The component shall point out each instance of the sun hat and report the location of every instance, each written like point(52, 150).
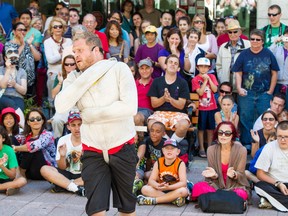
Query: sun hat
point(11, 111)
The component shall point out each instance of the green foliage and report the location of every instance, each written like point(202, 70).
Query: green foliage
point(29, 103)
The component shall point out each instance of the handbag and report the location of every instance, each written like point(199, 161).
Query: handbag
point(221, 201)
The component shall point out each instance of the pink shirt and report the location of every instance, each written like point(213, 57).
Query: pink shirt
point(143, 100)
point(224, 171)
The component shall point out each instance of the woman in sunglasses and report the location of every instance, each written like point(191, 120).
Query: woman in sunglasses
point(59, 119)
point(260, 137)
point(226, 164)
point(39, 148)
point(27, 52)
point(53, 48)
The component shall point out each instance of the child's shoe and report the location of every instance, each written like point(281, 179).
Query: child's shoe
point(142, 200)
point(137, 185)
point(180, 201)
point(12, 191)
point(81, 191)
point(264, 203)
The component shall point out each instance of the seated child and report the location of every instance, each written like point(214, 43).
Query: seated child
point(9, 171)
point(69, 150)
point(251, 173)
point(168, 179)
point(226, 114)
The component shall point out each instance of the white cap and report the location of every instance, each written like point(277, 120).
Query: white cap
point(203, 61)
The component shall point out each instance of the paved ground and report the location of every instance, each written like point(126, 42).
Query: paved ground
point(36, 199)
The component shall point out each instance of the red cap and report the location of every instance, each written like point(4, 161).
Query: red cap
point(74, 115)
point(11, 111)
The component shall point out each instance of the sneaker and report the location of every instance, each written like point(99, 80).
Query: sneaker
point(264, 203)
point(57, 189)
point(180, 201)
point(12, 191)
point(137, 185)
point(142, 200)
point(81, 191)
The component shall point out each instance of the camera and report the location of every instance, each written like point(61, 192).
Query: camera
point(285, 39)
point(14, 61)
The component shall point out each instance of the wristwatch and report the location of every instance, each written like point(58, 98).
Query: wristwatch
point(277, 183)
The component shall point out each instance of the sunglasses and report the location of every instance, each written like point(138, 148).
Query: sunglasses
point(226, 92)
point(22, 30)
point(58, 8)
point(69, 64)
point(255, 39)
point(38, 119)
point(230, 32)
point(225, 133)
point(198, 22)
point(268, 119)
point(9, 52)
point(271, 14)
point(58, 26)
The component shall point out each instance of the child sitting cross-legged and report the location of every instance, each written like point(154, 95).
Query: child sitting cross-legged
point(168, 180)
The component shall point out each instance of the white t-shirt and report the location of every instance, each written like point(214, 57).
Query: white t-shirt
point(274, 161)
point(74, 163)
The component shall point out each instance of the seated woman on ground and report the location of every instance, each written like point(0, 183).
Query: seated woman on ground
point(226, 114)
point(39, 148)
point(10, 180)
point(9, 119)
point(226, 164)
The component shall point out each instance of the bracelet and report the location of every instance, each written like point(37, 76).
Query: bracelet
point(277, 183)
point(59, 83)
point(187, 56)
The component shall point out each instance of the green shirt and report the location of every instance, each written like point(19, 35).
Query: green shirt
point(271, 33)
point(11, 162)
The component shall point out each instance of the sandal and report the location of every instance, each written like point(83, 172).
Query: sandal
point(202, 154)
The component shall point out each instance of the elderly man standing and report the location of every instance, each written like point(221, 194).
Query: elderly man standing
point(229, 52)
point(90, 22)
point(272, 170)
point(106, 95)
point(256, 76)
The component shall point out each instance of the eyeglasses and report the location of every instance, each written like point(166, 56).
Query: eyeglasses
point(282, 137)
point(33, 119)
point(230, 32)
point(268, 119)
point(198, 22)
point(22, 30)
point(89, 22)
point(9, 52)
point(226, 92)
point(225, 133)
point(255, 39)
point(57, 26)
point(274, 15)
point(64, 14)
point(69, 64)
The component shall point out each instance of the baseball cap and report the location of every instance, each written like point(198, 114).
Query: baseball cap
point(11, 111)
point(11, 52)
point(203, 61)
point(170, 142)
point(74, 115)
point(151, 29)
point(145, 62)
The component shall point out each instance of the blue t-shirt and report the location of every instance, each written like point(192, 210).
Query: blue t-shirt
point(8, 13)
point(256, 69)
point(166, 53)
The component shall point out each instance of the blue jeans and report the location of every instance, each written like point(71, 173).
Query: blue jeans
point(250, 107)
point(278, 90)
point(11, 101)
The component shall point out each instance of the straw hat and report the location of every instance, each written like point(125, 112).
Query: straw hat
point(233, 24)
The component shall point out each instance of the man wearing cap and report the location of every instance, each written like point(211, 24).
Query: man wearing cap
point(150, 50)
point(69, 151)
point(229, 52)
point(169, 94)
point(275, 29)
point(150, 13)
point(225, 37)
point(180, 12)
point(143, 85)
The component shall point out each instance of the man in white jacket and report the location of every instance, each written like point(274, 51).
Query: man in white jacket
point(106, 95)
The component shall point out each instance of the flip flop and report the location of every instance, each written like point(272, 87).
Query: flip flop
point(202, 154)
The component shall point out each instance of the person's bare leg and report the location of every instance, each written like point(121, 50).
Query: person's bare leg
point(16, 183)
point(52, 175)
point(209, 137)
point(181, 128)
point(201, 139)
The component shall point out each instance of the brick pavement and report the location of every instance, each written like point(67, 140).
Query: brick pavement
point(35, 199)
